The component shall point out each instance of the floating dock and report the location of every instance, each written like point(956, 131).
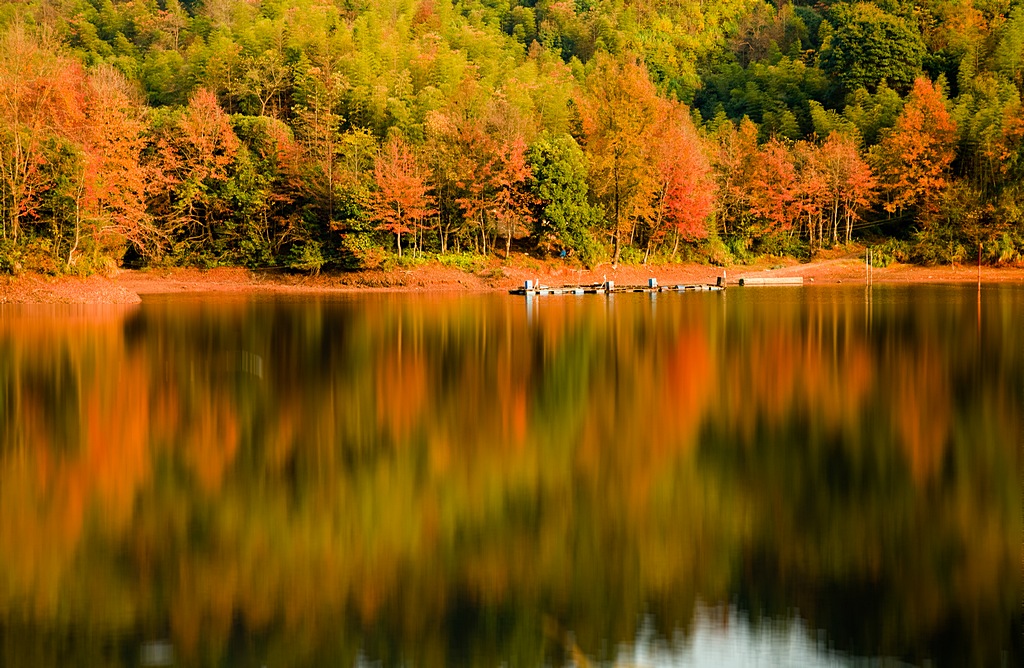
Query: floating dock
point(772, 280)
point(609, 288)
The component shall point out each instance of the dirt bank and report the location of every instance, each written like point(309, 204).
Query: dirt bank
point(32, 289)
point(125, 287)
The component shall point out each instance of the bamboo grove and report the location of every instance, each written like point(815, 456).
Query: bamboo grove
point(358, 133)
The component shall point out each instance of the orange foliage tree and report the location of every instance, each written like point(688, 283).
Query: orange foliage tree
point(849, 182)
point(774, 195)
point(463, 162)
point(914, 157)
point(511, 201)
point(835, 184)
point(114, 193)
point(193, 156)
point(811, 189)
point(40, 97)
point(685, 195)
point(403, 199)
point(479, 164)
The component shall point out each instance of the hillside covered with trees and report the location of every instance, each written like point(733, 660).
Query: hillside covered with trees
point(352, 133)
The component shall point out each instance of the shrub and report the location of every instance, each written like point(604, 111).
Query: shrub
point(359, 251)
point(589, 252)
point(37, 255)
point(739, 249)
point(10, 257)
point(1007, 248)
point(716, 251)
point(783, 244)
point(939, 245)
point(631, 255)
point(468, 262)
point(409, 260)
point(892, 250)
point(307, 257)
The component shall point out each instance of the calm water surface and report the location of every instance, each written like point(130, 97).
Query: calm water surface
point(763, 477)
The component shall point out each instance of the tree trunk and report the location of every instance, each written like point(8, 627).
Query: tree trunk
point(615, 254)
point(835, 223)
point(16, 175)
point(78, 225)
point(483, 232)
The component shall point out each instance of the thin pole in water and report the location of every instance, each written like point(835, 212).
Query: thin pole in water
point(979, 292)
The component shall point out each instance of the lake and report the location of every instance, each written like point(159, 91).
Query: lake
point(767, 476)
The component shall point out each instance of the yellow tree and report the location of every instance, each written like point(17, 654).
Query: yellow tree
point(735, 162)
point(620, 116)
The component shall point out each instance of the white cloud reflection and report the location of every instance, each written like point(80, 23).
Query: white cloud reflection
point(726, 639)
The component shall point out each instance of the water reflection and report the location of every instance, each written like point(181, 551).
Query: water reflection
point(483, 480)
point(725, 638)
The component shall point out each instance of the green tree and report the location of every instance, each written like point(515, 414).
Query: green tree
point(318, 90)
point(867, 46)
point(263, 191)
point(870, 113)
point(559, 182)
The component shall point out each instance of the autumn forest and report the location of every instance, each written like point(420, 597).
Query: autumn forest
point(359, 133)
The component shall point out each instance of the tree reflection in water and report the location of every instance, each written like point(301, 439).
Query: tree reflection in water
point(467, 480)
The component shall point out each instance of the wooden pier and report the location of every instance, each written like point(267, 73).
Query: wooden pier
point(609, 288)
point(771, 280)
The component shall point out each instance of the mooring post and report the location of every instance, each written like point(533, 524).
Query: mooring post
point(979, 264)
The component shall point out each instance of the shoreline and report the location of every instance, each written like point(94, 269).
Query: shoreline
point(129, 286)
